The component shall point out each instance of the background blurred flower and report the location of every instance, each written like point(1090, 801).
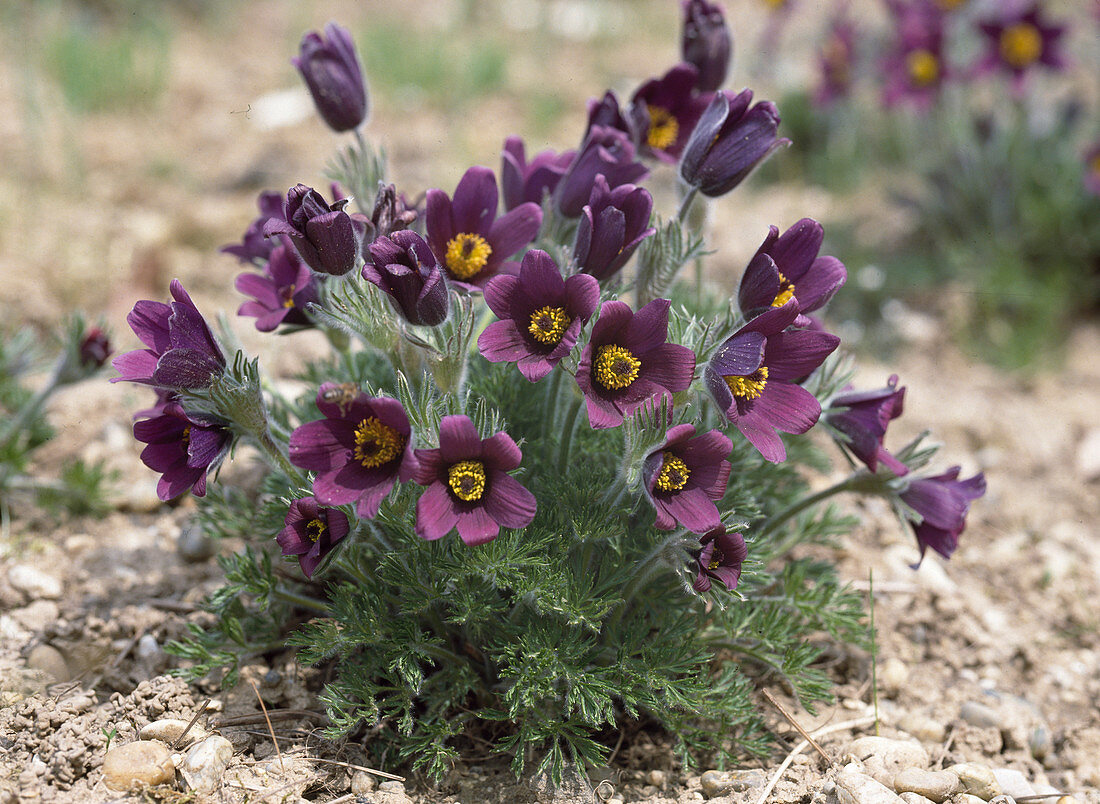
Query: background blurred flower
point(914, 68)
point(836, 61)
point(280, 294)
point(310, 532)
point(1019, 39)
point(706, 43)
point(330, 67)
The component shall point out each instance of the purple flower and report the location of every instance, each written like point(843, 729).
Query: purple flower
point(359, 450)
point(182, 448)
point(256, 247)
point(915, 68)
point(627, 362)
point(94, 349)
point(1092, 169)
point(729, 141)
point(862, 417)
point(182, 351)
point(606, 151)
point(753, 378)
point(686, 476)
point(608, 112)
point(1020, 39)
point(787, 267)
point(468, 486)
point(327, 238)
point(674, 107)
point(405, 268)
point(523, 181)
point(281, 292)
point(613, 224)
point(942, 502)
point(391, 214)
point(330, 67)
point(706, 43)
point(721, 558)
point(541, 315)
point(311, 532)
point(469, 238)
point(836, 60)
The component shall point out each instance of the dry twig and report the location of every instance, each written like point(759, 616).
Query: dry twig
point(790, 719)
point(802, 746)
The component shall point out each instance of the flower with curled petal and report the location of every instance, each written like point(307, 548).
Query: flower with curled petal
point(720, 558)
point(310, 532)
point(686, 475)
point(942, 503)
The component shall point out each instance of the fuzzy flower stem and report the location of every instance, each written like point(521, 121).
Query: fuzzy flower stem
point(859, 481)
point(553, 391)
point(567, 433)
point(300, 600)
point(685, 205)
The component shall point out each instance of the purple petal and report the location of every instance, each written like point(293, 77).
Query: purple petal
point(435, 512)
point(693, 509)
point(670, 365)
point(500, 452)
point(502, 342)
point(508, 502)
point(474, 204)
point(458, 439)
point(795, 250)
point(476, 526)
point(739, 356)
point(515, 229)
point(791, 355)
point(649, 327)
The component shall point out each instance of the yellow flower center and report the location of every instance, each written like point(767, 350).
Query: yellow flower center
point(467, 480)
point(949, 5)
point(186, 438)
point(750, 386)
point(923, 67)
point(674, 473)
point(315, 529)
point(548, 324)
point(663, 128)
point(376, 443)
point(775, 4)
point(1094, 164)
point(467, 254)
point(715, 559)
point(786, 292)
point(616, 367)
point(288, 294)
point(1021, 44)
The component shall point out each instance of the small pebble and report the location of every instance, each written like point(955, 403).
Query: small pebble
point(206, 762)
point(893, 675)
point(361, 782)
point(169, 730)
point(883, 757)
point(34, 583)
point(978, 714)
point(37, 615)
point(49, 660)
point(715, 783)
point(136, 765)
point(1013, 782)
point(1039, 742)
point(935, 785)
point(977, 780)
point(914, 798)
point(966, 798)
point(853, 787)
point(193, 545)
point(924, 728)
point(657, 778)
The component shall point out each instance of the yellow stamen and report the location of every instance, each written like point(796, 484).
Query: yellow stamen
point(949, 5)
point(288, 302)
point(674, 473)
point(548, 324)
point(616, 367)
point(923, 67)
point(1021, 44)
point(715, 559)
point(315, 529)
point(186, 435)
point(786, 292)
point(750, 386)
point(376, 443)
point(663, 128)
point(467, 480)
point(467, 254)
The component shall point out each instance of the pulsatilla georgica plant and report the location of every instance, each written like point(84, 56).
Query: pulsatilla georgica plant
point(541, 487)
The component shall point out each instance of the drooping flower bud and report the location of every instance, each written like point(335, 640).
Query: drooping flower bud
point(729, 141)
point(612, 225)
point(405, 268)
point(330, 67)
point(327, 238)
point(706, 43)
point(605, 150)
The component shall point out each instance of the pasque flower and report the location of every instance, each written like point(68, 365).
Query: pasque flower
point(720, 558)
point(673, 107)
point(405, 268)
point(706, 43)
point(605, 151)
point(627, 362)
point(1019, 39)
point(256, 247)
point(686, 476)
point(391, 214)
point(182, 351)
point(753, 378)
point(94, 349)
point(862, 418)
point(787, 267)
point(836, 61)
point(942, 502)
point(471, 242)
point(730, 140)
point(359, 450)
point(327, 238)
point(468, 485)
point(330, 67)
point(522, 181)
point(310, 532)
point(612, 225)
point(182, 447)
point(280, 294)
point(915, 69)
point(541, 315)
